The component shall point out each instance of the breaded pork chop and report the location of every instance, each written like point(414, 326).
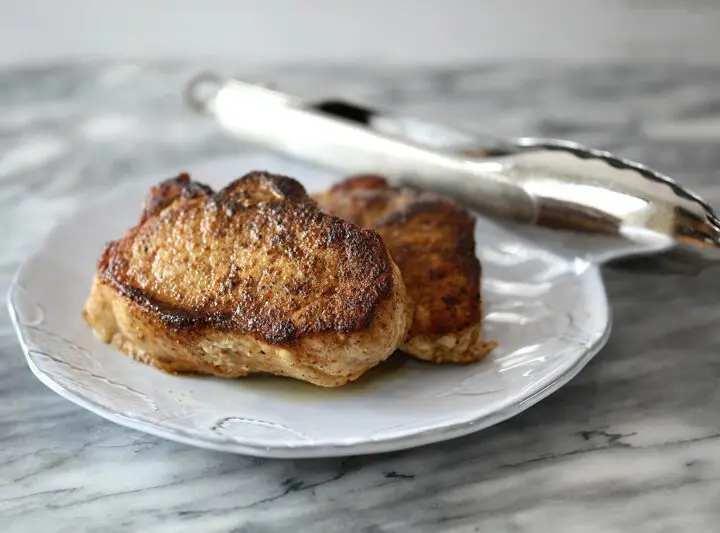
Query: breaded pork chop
point(432, 241)
point(253, 278)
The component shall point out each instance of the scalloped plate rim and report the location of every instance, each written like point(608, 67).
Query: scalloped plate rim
point(301, 451)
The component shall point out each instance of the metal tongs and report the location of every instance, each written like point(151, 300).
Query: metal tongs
point(577, 200)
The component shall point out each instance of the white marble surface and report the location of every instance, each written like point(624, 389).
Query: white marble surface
point(631, 444)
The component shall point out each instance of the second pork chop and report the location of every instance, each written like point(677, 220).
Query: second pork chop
point(432, 241)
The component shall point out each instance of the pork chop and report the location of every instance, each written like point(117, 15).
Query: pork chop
point(432, 241)
point(251, 279)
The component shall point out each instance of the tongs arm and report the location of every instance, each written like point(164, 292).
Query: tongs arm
point(587, 202)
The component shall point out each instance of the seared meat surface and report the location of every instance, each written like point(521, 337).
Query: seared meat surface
point(252, 278)
point(432, 241)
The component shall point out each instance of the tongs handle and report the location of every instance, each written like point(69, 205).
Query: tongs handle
point(277, 121)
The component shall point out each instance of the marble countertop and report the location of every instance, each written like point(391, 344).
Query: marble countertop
point(631, 444)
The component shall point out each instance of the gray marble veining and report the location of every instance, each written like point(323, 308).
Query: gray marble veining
point(631, 444)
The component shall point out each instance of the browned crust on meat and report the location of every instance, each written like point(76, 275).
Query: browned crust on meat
point(326, 359)
point(442, 274)
point(432, 241)
point(257, 257)
point(166, 192)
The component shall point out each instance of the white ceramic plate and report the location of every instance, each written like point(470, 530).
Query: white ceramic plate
point(549, 315)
